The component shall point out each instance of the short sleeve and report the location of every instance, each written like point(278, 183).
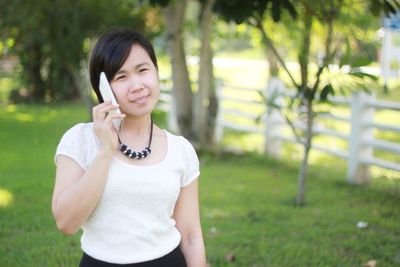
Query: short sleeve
point(74, 144)
point(191, 161)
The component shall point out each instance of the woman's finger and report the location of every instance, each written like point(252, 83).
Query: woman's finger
point(102, 112)
point(95, 109)
point(106, 111)
point(118, 116)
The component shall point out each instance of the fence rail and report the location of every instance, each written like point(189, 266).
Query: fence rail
point(360, 139)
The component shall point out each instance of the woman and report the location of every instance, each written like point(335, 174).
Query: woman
point(133, 192)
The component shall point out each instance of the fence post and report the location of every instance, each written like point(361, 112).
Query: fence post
point(274, 122)
point(357, 172)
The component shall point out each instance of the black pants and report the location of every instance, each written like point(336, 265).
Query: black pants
point(173, 259)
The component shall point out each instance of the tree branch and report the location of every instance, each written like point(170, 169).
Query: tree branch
point(311, 10)
point(296, 135)
point(328, 53)
point(258, 24)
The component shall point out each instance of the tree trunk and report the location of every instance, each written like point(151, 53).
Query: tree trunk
point(82, 85)
point(305, 49)
point(205, 105)
point(182, 93)
point(307, 147)
point(273, 67)
point(74, 81)
point(32, 65)
point(306, 102)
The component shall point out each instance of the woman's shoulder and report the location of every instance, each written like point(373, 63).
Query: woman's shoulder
point(83, 130)
point(80, 128)
point(178, 139)
point(188, 157)
point(78, 142)
point(181, 142)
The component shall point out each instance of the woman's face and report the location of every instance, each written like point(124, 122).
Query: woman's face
point(136, 84)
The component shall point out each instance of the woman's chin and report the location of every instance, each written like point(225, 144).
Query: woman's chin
point(138, 111)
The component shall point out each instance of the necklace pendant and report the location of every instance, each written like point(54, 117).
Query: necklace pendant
point(133, 154)
point(122, 148)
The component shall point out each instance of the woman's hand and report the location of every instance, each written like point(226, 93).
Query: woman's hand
point(103, 127)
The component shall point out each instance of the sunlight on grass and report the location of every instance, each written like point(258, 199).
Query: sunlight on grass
point(378, 172)
point(241, 73)
point(24, 117)
point(245, 142)
point(6, 198)
point(11, 108)
point(19, 113)
point(48, 116)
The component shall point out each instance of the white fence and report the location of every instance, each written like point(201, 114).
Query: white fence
point(360, 140)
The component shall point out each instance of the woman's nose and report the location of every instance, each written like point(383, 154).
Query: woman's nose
point(135, 86)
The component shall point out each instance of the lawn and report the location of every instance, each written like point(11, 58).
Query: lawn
point(247, 207)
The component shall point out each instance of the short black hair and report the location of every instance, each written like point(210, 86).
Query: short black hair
point(111, 51)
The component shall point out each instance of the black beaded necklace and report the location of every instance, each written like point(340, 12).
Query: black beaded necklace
point(133, 154)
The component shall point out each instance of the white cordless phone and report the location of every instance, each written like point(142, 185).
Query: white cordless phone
point(107, 94)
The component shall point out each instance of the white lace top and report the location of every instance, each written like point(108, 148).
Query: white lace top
point(132, 222)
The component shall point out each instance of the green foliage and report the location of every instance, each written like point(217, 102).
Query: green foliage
point(246, 205)
point(345, 81)
point(360, 74)
point(162, 3)
point(386, 6)
point(327, 90)
point(241, 11)
point(51, 38)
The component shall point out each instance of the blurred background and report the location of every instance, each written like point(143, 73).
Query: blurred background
point(293, 107)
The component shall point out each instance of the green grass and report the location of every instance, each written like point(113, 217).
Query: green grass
point(29, 135)
point(246, 205)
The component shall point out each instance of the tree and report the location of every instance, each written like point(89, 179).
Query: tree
point(196, 112)
point(53, 37)
point(182, 93)
point(206, 104)
point(327, 13)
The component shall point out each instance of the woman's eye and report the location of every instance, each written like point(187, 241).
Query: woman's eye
point(120, 78)
point(142, 70)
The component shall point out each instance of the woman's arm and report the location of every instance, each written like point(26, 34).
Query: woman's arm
point(187, 217)
point(77, 192)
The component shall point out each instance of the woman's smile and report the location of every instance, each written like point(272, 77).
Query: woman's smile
point(140, 99)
